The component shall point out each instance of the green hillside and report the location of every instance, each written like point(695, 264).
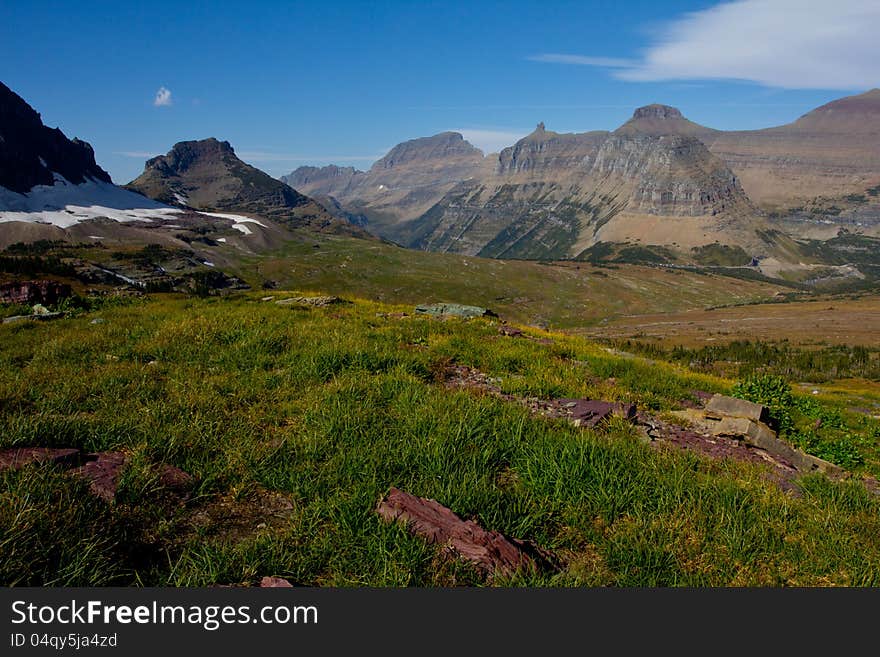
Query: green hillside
point(295, 421)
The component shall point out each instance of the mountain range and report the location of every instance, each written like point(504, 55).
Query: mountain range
point(659, 188)
point(659, 179)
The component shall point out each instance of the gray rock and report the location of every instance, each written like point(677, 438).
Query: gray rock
point(733, 407)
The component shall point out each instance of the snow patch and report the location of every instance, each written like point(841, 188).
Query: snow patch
point(242, 228)
point(222, 240)
point(237, 218)
point(65, 204)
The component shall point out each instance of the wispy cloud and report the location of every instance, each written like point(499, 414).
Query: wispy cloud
point(491, 141)
point(583, 60)
point(163, 97)
point(791, 44)
point(136, 154)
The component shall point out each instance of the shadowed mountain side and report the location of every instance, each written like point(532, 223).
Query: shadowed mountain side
point(32, 154)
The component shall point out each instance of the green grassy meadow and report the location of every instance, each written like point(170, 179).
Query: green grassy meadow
point(296, 421)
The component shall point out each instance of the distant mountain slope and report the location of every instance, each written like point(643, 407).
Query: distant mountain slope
point(401, 186)
point(833, 150)
point(32, 154)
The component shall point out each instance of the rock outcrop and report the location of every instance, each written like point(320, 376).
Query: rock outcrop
point(31, 292)
point(729, 417)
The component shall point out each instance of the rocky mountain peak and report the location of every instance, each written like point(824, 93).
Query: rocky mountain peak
point(444, 145)
point(185, 154)
point(32, 154)
point(656, 111)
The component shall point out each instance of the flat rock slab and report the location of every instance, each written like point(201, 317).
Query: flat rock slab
point(590, 413)
point(491, 552)
point(44, 317)
point(103, 470)
point(453, 309)
point(14, 458)
point(275, 583)
point(733, 407)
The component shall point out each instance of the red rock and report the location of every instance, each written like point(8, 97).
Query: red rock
point(103, 470)
point(275, 583)
point(589, 413)
point(18, 457)
point(491, 552)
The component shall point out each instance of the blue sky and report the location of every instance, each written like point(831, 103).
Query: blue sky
point(291, 83)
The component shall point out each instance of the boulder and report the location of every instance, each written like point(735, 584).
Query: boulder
point(14, 458)
point(454, 310)
point(489, 551)
point(736, 418)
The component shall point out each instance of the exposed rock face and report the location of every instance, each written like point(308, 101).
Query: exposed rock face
point(553, 195)
point(329, 180)
point(206, 175)
point(31, 153)
point(400, 186)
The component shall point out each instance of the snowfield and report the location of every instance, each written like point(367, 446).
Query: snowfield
point(65, 204)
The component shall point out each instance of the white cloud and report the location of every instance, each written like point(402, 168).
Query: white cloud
point(491, 141)
point(793, 44)
point(163, 97)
